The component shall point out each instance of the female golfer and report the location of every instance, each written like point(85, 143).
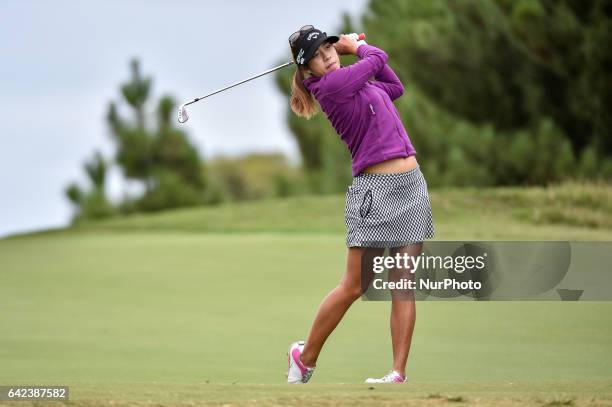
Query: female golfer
point(387, 204)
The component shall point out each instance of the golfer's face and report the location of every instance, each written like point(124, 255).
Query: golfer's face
point(324, 60)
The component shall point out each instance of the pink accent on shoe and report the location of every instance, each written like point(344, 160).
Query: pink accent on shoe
point(295, 354)
point(399, 379)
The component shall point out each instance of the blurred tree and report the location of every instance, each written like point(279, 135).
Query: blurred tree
point(254, 176)
point(92, 203)
point(161, 156)
point(506, 62)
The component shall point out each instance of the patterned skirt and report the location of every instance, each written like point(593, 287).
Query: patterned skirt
point(388, 210)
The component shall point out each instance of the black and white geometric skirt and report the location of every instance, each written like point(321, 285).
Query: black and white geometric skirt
point(388, 210)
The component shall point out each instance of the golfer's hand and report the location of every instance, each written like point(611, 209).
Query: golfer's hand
point(346, 45)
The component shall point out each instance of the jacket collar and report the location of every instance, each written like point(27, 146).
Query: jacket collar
point(311, 80)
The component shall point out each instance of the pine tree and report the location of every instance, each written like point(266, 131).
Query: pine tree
point(93, 202)
point(157, 154)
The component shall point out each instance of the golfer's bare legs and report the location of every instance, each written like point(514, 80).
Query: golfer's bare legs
point(334, 306)
point(403, 311)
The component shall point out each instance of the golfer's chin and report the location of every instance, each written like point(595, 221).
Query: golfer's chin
point(332, 67)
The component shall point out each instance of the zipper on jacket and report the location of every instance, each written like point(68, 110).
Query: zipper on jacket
point(372, 109)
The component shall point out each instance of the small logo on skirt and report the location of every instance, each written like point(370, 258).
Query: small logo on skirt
point(366, 204)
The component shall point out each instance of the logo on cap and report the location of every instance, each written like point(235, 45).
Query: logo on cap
point(300, 56)
point(312, 36)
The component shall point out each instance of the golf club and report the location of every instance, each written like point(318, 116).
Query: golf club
point(182, 111)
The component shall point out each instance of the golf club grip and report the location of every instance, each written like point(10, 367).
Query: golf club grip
point(362, 36)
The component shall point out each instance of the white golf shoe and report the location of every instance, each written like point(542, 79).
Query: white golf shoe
point(391, 377)
point(297, 373)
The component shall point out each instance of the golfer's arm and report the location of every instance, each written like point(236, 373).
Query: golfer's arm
point(345, 82)
point(388, 81)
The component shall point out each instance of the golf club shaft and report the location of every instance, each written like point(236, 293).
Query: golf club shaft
point(241, 82)
point(182, 112)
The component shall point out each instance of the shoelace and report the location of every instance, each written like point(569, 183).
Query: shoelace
point(307, 375)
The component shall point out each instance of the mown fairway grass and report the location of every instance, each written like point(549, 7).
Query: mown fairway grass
point(198, 306)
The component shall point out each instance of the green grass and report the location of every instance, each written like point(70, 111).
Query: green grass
point(157, 309)
point(570, 211)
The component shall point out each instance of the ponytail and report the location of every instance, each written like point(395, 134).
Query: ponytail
point(302, 102)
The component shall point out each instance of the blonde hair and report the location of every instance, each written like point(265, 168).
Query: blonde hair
point(302, 102)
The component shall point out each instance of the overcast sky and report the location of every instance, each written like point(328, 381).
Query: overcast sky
point(62, 62)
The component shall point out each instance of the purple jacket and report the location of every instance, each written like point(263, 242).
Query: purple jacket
point(361, 110)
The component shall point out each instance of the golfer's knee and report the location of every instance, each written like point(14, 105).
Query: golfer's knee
point(350, 291)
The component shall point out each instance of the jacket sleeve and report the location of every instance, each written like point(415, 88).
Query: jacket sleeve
point(388, 81)
point(343, 83)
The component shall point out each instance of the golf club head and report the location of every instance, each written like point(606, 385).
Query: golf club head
point(182, 114)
